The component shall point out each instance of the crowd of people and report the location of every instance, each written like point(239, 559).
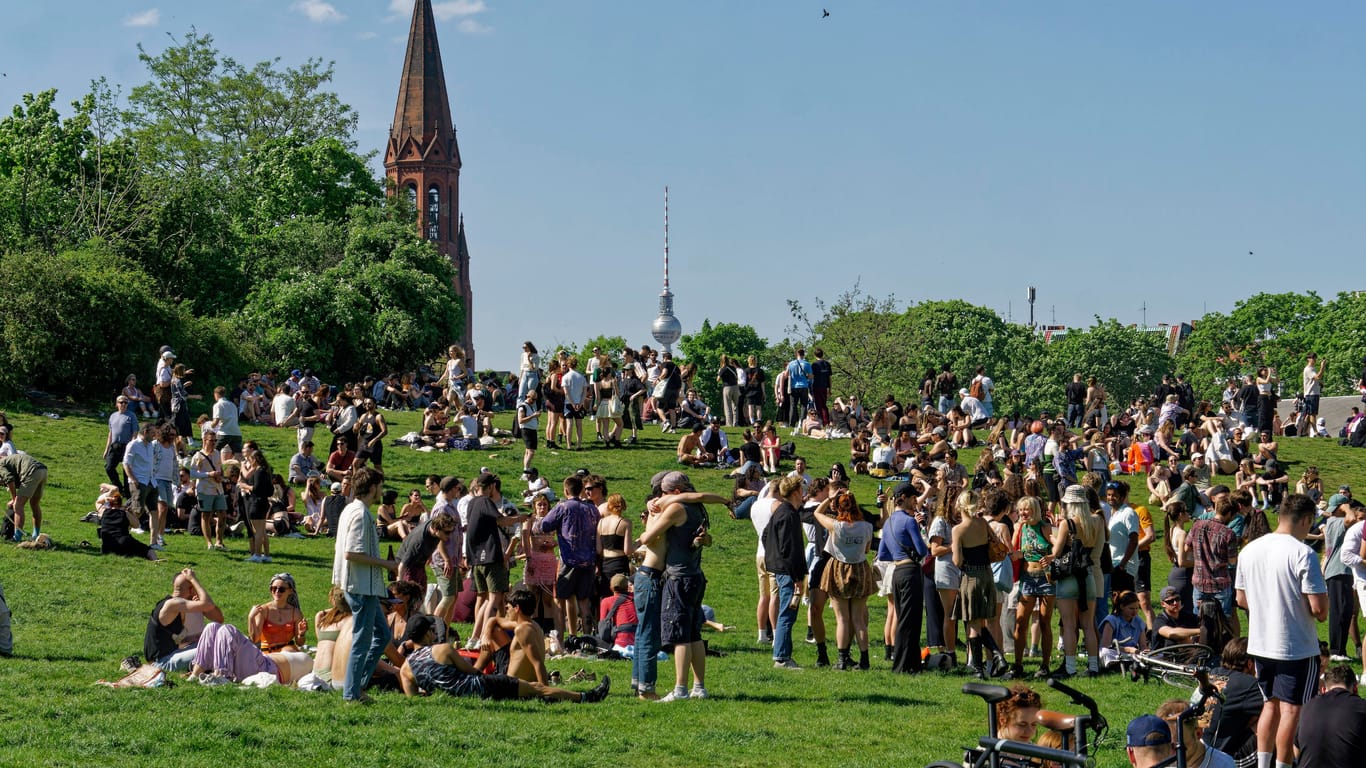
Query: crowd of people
point(1056, 521)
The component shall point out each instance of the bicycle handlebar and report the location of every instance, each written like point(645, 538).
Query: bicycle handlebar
point(1025, 749)
point(1081, 700)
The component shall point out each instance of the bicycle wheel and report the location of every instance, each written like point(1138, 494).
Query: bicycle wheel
point(1188, 655)
point(944, 764)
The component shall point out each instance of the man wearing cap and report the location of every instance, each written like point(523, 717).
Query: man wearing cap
point(682, 526)
point(123, 425)
point(161, 383)
point(903, 546)
point(1148, 741)
point(1124, 536)
point(1174, 625)
point(1282, 637)
point(1338, 577)
point(484, 548)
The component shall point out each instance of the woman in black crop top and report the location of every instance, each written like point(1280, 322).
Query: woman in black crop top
point(971, 547)
point(615, 542)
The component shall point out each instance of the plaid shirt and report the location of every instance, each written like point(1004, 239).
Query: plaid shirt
point(1215, 546)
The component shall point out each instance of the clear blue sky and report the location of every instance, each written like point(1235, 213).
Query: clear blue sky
point(1112, 154)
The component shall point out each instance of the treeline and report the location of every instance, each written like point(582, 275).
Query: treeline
point(219, 208)
point(878, 347)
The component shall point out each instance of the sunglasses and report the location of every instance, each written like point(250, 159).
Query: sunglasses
point(279, 589)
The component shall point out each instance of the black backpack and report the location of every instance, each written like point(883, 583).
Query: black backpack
point(607, 631)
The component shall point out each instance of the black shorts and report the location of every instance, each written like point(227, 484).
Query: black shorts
point(572, 411)
point(373, 455)
point(1293, 682)
point(681, 616)
point(529, 437)
point(817, 571)
point(1311, 405)
point(258, 509)
point(669, 400)
point(501, 687)
point(575, 582)
point(1050, 482)
point(1144, 581)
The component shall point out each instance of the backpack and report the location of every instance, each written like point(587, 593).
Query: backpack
point(607, 630)
point(976, 390)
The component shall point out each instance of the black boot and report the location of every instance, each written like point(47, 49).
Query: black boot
point(822, 655)
point(863, 660)
point(889, 652)
point(846, 662)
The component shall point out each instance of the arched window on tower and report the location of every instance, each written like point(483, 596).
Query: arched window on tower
point(412, 195)
point(434, 213)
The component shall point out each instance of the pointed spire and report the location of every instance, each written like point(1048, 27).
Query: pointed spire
point(423, 110)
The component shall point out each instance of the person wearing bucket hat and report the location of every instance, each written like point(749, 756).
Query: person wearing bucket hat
point(1077, 536)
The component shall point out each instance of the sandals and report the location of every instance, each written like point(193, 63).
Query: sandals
point(583, 676)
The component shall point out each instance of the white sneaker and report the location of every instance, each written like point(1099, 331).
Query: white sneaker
point(785, 664)
point(674, 695)
point(698, 692)
point(156, 546)
point(263, 559)
point(137, 531)
point(254, 559)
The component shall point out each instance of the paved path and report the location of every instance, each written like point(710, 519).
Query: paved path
point(1334, 410)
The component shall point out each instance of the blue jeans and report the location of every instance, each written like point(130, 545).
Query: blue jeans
point(178, 661)
point(1074, 414)
point(945, 403)
point(787, 617)
point(370, 634)
point(645, 664)
point(741, 510)
point(1224, 596)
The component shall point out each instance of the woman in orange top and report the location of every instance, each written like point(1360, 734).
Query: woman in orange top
point(278, 625)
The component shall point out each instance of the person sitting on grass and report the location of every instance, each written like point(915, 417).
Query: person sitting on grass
point(441, 668)
point(514, 643)
point(1123, 631)
point(690, 450)
point(278, 625)
point(176, 622)
point(116, 524)
point(225, 655)
point(333, 629)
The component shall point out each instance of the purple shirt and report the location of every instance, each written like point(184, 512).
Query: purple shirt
point(575, 524)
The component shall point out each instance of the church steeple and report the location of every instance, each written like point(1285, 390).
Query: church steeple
point(422, 159)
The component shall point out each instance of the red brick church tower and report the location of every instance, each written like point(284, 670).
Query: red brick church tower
point(423, 161)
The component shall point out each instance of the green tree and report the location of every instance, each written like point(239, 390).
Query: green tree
point(1339, 338)
point(77, 321)
point(866, 340)
point(705, 348)
point(1271, 329)
point(41, 157)
point(1128, 361)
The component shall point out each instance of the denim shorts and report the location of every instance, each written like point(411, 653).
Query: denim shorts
point(1035, 585)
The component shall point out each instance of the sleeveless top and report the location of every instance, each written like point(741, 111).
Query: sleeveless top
point(976, 557)
point(326, 635)
point(681, 559)
point(613, 541)
point(1033, 544)
point(275, 636)
point(160, 639)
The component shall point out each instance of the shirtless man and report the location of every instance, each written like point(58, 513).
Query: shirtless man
point(681, 526)
point(441, 668)
point(515, 643)
point(690, 451)
point(174, 627)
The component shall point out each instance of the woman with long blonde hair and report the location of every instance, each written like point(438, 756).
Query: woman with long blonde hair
point(1074, 591)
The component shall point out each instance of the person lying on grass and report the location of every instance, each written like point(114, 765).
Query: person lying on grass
point(433, 668)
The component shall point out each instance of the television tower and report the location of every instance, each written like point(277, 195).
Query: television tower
point(666, 328)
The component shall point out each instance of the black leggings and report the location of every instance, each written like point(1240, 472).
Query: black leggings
point(934, 612)
point(1341, 607)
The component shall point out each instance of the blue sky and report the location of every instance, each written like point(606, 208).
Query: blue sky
point(1115, 155)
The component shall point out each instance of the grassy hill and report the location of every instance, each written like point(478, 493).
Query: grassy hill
point(76, 614)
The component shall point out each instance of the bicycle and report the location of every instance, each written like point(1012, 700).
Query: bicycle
point(1176, 665)
point(1207, 691)
point(991, 749)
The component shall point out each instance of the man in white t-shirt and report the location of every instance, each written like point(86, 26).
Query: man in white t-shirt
point(759, 514)
point(575, 404)
point(1312, 381)
point(988, 388)
point(1350, 553)
point(1291, 596)
point(1124, 531)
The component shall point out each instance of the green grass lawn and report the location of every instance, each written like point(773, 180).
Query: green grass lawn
point(76, 614)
